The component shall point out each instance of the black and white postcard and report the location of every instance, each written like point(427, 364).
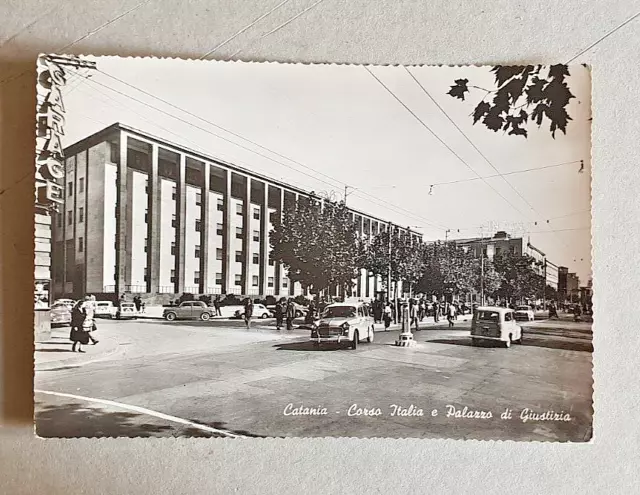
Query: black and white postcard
point(229, 249)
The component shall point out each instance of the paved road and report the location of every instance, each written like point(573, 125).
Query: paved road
point(206, 379)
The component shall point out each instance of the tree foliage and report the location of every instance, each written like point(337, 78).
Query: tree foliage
point(319, 247)
point(519, 276)
point(523, 94)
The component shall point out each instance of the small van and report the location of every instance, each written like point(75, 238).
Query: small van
point(492, 323)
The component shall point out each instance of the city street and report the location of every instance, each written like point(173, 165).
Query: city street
point(218, 379)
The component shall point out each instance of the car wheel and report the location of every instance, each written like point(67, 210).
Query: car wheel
point(519, 341)
point(264, 316)
point(371, 337)
point(170, 316)
point(356, 340)
point(298, 314)
point(205, 316)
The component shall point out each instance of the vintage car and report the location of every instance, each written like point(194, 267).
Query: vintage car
point(106, 309)
point(189, 310)
point(126, 310)
point(60, 314)
point(524, 313)
point(300, 310)
point(492, 323)
point(259, 311)
point(343, 322)
point(68, 302)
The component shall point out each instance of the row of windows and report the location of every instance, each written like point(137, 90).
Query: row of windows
point(80, 187)
point(70, 217)
point(219, 254)
point(238, 279)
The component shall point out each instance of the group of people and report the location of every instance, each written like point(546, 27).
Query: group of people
point(286, 312)
point(418, 309)
point(83, 323)
point(139, 303)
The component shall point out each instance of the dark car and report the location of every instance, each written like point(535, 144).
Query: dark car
point(189, 310)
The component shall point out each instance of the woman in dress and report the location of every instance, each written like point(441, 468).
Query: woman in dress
point(78, 336)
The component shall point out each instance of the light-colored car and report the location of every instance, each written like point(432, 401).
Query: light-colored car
point(343, 322)
point(524, 313)
point(491, 323)
point(126, 310)
point(106, 309)
point(300, 310)
point(189, 310)
point(259, 311)
point(68, 302)
point(60, 314)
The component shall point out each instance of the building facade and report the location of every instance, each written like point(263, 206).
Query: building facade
point(142, 215)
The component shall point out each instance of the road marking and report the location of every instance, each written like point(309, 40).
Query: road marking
point(143, 410)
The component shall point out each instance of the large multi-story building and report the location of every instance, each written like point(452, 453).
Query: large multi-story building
point(142, 215)
point(502, 242)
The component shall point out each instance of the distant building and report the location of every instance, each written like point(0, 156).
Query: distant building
point(143, 215)
point(573, 287)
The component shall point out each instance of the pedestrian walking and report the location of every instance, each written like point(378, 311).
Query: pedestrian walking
point(216, 305)
point(387, 316)
point(553, 312)
point(451, 314)
point(138, 303)
point(311, 313)
point(290, 314)
point(413, 311)
point(279, 313)
point(78, 336)
point(248, 312)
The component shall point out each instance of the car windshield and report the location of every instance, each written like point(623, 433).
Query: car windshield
point(128, 305)
point(59, 306)
point(488, 316)
point(339, 312)
point(103, 304)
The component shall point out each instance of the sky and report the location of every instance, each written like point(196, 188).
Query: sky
point(323, 127)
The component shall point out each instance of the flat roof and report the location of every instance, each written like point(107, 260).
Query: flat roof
point(108, 132)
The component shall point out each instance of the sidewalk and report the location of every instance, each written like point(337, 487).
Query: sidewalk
point(56, 352)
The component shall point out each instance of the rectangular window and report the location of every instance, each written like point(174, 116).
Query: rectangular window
point(146, 186)
point(69, 217)
point(173, 276)
point(270, 282)
point(238, 279)
point(218, 278)
point(146, 242)
point(273, 216)
point(80, 214)
point(256, 236)
point(219, 253)
point(174, 222)
point(256, 213)
point(70, 189)
point(146, 274)
point(146, 215)
point(173, 193)
point(198, 199)
point(196, 277)
point(197, 253)
point(80, 244)
point(173, 249)
point(81, 185)
point(198, 225)
point(239, 208)
point(271, 262)
point(239, 256)
point(220, 206)
point(256, 259)
point(285, 283)
point(238, 232)
point(254, 281)
point(59, 220)
point(219, 229)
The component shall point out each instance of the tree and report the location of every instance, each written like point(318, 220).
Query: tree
point(523, 94)
point(318, 246)
point(519, 276)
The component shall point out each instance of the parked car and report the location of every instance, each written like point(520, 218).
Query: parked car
point(189, 310)
point(259, 311)
point(126, 310)
point(106, 309)
point(524, 313)
point(60, 314)
point(492, 323)
point(68, 302)
point(343, 322)
point(300, 309)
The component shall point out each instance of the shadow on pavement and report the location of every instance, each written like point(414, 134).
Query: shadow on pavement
point(53, 350)
point(308, 346)
point(77, 420)
point(565, 345)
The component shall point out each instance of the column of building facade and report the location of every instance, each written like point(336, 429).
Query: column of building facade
point(278, 265)
point(375, 276)
point(246, 238)
point(204, 229)
point(121, 218)
point(181, 217)
point(153, 224)
point(227, 283)
point(264, 240)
